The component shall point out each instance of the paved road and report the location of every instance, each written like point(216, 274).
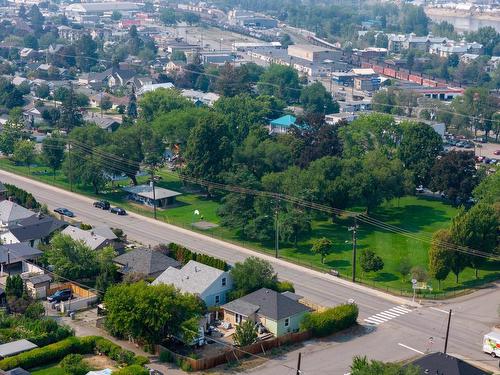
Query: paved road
point(390, 320)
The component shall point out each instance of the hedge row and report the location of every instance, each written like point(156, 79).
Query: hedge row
point(72, 345)
point(22, 197)
point(184, 255)
point(329, 321)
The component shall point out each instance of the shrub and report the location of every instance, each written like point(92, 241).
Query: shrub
point(331, 320)
point(73, 364)
point(186, 366)
point(140, 360)
point(166, 356)
point(132, 370)
point(284, 286)
point(22, 197)
point(114, 351)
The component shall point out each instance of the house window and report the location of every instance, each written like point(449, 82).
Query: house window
point(217, 300)
point(287, 322)
point(223, 281)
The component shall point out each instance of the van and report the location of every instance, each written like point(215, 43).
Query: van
point(491, 344)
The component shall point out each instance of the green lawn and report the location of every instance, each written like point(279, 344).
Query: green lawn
point(418, 215)
point(52, 369)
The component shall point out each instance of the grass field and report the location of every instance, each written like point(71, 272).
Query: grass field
point(420, 216)
point(52, 369)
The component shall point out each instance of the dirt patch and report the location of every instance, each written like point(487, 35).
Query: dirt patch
point(100, 362)
point(204, 225)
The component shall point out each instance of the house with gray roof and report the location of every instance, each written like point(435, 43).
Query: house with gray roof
point(144, 261)
point(11, 212)
point(31, 230)
point(210, 284)
point(144, 194)
point(88, 237)
point(280, 313)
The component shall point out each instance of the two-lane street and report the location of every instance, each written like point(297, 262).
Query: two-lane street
point(391, 328)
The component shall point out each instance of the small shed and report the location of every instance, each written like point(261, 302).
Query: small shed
point(16, 347)
point(38, 285)
point(144, 194)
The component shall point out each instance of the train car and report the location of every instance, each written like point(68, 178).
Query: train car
point(428, 82)
point(366, 65)
point(390, 72)
point(415, 78)
point(378, 69)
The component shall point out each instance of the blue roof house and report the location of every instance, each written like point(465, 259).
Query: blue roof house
point(282, 125)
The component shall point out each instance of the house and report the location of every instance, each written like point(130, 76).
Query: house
point(11, 212)
point(88, 237)
point(335, 118)
point(68, 33)
point(13, 255)
point(282, 125)
point(210, 284)
point(395, 43)
point(144, 261)
point(16, 371)
point(278, 312)
point(31, 230)
point(467, 58)
point(108, 123)
point(175, 66)
point(37, 285)
point(440, 363)
point(147, 88)
point(16, 347)
point(144, 194)
point(200, 98)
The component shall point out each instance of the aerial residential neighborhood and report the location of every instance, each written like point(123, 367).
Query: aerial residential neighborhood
point(267, 187)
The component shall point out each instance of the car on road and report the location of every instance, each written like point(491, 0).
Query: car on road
point(496, 152)
point(64, 211)
point(118, 211)
point(60, 295)
point(103, 205)
point(420, 189)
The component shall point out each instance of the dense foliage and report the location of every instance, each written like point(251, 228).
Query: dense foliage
point(184, 255)
point(324, 323)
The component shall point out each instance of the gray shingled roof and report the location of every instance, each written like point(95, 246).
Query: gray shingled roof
point(18, 252)
point(16, 347)
point(89, 237)
point(146, 191)
point(241, 307)
point(10, 211)
point(146, 261)
point(446, 364)
point(39, 279)
point(35, 227)
point(272, 304)
point(17, 371)
point(194, 277)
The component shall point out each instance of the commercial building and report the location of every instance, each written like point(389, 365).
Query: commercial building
point(249, 19)
point(83, 12)
point(313, 53)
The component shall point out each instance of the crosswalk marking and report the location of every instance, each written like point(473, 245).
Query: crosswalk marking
point(387, 315)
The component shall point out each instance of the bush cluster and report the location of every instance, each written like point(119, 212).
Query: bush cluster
point(332, 320)
point(22, 197)
point(72, 345)
point(184, 255)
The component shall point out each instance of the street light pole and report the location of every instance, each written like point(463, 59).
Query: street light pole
point(154, 193)
point(353, 229)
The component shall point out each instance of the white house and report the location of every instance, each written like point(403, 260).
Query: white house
point(210, 284)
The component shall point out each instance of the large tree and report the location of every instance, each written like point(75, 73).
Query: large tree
point(161, 101)
point(280, 81)
point(53, 148)
point(322, 246)
point(129, 311)
point(315, 99)
point(252, 274)
point(370, 262)
point(439, 255)
point(478, 229)
point(71, 259)
point(488, 190)
point(420, 145)
point(24, 152)
point(455, 175)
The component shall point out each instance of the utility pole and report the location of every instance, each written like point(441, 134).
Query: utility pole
point(353, 229)
point(277, 237)
point(447, 333)
point(70, 168)
point(154, 193)
point(298, 364)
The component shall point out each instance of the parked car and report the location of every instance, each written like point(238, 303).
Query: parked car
point(64, 211)
point(103, 205)
point(496, 152)
point(118, 211)
point(420, 189)
point(60, 295)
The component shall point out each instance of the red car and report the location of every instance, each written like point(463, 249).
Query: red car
point(497, 152)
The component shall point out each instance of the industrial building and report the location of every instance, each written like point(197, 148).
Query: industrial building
point(313, 53)
point(245, 18)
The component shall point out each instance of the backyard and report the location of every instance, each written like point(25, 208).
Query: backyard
point(419, 215)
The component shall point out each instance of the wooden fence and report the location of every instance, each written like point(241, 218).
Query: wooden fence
point(75, 289)
point(235, 354)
